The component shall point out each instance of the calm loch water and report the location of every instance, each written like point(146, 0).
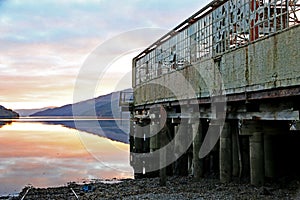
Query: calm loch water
point(46, 155)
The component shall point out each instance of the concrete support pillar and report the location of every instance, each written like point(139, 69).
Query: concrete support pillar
point(138, 141)
point(131, 142)
point(138, 148)
point(245, 157)
point(214, 160)
point(269, 156)
point(175, 165)
point(176, 153)
point(154, 140)
point(197, 142)
point(131, 136)
point(235, 149)
point(170, 151)
point(154, 145)
point(225, 154)
point(146, 149)
point(257, 170)
point(190, 149)
point(163, 158)
point(146, 146)
point(181, 167)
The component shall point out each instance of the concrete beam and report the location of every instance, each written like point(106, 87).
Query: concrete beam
point(287, 115)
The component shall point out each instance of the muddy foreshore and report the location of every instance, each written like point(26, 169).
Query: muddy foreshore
point(177, 188)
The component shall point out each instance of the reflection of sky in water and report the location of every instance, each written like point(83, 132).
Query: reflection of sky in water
point(51, 155)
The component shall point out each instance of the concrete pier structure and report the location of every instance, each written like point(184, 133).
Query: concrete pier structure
point(254, 130)
point(238, 76)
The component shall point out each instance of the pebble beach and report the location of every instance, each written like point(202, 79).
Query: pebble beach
point(177, 188)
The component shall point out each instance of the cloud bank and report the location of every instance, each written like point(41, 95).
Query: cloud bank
point(44, 43)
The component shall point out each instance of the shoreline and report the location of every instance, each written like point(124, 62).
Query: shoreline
point(177, 188)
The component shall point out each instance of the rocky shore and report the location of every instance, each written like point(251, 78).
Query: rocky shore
point(177, 188)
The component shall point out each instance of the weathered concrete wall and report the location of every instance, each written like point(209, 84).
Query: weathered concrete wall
point(266, 64)
point(269, 63)
point(178, 85)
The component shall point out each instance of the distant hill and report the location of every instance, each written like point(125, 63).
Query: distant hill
point(106, 106)
point(28, 112)
point(7, 113)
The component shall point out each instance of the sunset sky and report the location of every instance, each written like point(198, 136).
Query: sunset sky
point(44, 44)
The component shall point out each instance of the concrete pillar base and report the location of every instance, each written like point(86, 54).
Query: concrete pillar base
point(257, 172)
point(269, 157)
point(235, 149)
point(225, 154)
point(197, 142)
point(181, 166)
point(163, 158)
